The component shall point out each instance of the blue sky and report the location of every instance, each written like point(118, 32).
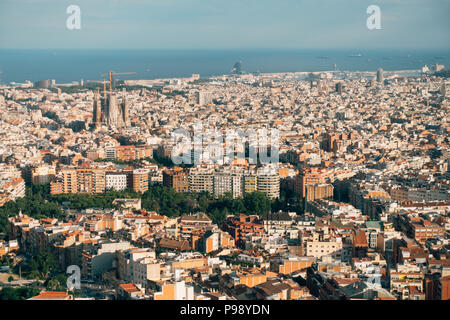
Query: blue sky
point(219, 24)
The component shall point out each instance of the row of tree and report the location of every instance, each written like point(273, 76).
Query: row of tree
point(39, 203)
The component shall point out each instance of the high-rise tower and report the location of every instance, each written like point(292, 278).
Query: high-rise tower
point(380, 78)
point(237, 68)
point(339, 87)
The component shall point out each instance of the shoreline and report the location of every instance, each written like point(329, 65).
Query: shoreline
point(295, 74)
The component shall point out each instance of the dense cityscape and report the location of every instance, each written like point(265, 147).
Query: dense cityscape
point(354, 203)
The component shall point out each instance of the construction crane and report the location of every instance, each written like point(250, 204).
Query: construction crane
point(111, 74)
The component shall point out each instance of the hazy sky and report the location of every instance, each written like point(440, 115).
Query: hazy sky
point(190, 24)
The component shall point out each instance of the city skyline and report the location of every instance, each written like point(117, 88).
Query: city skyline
point(181, 162)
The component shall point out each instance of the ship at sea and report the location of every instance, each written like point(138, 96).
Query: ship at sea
point(355, 55)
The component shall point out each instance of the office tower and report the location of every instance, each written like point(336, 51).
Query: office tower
point(380, 76)
point(339, 87)
point(237, 68)
point(443, 89)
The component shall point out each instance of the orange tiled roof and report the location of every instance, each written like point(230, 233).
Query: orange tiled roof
point(52, 295)
point(129, 287)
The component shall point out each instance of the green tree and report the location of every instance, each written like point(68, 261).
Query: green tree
point(257, 203)
point(203, 202)
point(42, 265)
point(54, 284)
point(9, 293)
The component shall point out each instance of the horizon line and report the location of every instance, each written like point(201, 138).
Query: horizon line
point(239, 48)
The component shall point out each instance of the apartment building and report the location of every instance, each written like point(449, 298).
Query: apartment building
point(172, 290)
point(319, 191)
point(101, 258)
point(140, 180)
point(228, 183)
point(403, 284)
point(250, 183)
point(43, 174)
point(130, 291)
point(176, 178)
point(318, 249)
point(126, 258)
point(201, 180)
point(213, 241)
point(194, 224)
point(291, 264)
point(250, 278)
point(117, 181)
point(11, 190)
point(423, 230)
point(146, 269)
point(269, 185)
point(133, 152)
point(310, 175)
point(53, 295)
point(79, 180)
point(239, 227)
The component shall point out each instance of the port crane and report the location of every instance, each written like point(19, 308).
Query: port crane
point(110, 74)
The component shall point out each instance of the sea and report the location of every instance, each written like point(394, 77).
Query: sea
point(65, 66)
